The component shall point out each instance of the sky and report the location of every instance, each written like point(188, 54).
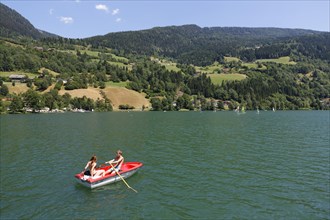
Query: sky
point(82, 18)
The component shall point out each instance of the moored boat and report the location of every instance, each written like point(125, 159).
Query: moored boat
point(127, 170)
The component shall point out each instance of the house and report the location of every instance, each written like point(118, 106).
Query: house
point(18, 78)
point(64, 81)
point(39, 48)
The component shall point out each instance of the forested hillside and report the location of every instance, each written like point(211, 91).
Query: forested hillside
point(12, 24)
point(177, 67)
point(191, 44)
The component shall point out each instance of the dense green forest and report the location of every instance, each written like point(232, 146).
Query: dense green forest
point(141, 58)
point(190, 44)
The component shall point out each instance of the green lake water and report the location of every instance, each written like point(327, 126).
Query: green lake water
point(197, 165)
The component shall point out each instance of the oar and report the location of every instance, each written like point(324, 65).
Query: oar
point(122, 178)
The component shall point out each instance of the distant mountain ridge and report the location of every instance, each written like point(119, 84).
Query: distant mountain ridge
point(194, 33)
point(191, 43)
point(192, 67)
point(11, 22)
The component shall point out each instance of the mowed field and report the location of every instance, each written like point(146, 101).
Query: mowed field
point(92, 93)
point(218, 78)
point(17, 89)
point(123, 96)
point(117, 95)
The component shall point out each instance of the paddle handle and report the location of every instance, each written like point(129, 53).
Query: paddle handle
point(122, 178)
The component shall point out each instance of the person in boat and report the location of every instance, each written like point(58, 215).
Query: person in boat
point(116, 163)
point(91, 165)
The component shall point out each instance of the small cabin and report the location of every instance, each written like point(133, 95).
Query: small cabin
point(64, 81)
point(18, 78)
point(39, 48)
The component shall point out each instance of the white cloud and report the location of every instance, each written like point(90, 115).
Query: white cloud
point(51, 11)
point(66, 20)
point(118, 20)
point(102, 7)
point(115, 11)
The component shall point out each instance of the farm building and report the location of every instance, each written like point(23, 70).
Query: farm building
point(17, 78)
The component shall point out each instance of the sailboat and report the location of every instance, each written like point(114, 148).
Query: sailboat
point(243, 110)
point(238, 111)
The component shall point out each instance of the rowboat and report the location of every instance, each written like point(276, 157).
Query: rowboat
point(127, 170)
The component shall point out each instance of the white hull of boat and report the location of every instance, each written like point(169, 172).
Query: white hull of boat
point(106, 181)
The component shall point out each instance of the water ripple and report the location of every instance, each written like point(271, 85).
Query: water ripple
point(196, 165)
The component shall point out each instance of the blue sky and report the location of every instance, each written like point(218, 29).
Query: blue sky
point(81, 18)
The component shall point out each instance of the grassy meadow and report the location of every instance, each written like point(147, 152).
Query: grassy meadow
point(281, 60)
point(231, 59)
point(214, 68)
point(17, 88)
point(51, 72)
point(116, 84)
point(7, 74)
point(169, 65)
point(218, 78)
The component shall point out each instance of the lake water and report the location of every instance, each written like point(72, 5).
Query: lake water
point(197, 165)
